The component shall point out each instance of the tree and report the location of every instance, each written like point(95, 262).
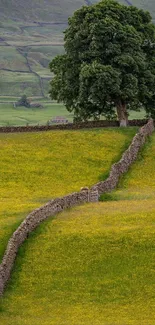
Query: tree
point(23, 101)
point(109, 62)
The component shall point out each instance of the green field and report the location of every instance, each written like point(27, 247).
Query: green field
point(19, 83)
point(11, 116)
point(31, 35)
point(90, 265)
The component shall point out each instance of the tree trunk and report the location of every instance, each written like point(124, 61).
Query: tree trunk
point(122, 114)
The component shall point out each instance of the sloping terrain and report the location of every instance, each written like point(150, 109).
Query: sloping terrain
point(39, 11)
point(93, 264)
point(38, 167)
point(31, 34)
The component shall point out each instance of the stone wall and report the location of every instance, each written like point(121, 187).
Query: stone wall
point(55, 206)
point(69, 126)
point(129, 156)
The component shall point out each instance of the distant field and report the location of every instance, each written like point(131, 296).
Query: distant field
point(33, 43)
point(11, 59)
point(35, 167)
point(26, 83)
point(23, 116)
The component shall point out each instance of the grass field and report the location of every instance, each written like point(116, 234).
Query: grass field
point(37, 167)
point(11, 59)
point(139, 182)
point(23, 116)
point(91, 265)
point(16, 83)
point(29, 44)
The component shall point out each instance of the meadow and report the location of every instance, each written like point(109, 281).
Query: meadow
point(10, 116)
point(37, 167)
point(92, 264)
point(23, 116)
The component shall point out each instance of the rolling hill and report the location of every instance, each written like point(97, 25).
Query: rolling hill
point(31, 34)
point(93, 264)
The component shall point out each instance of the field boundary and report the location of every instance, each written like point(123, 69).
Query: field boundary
point(59, 204)
point(69, 126)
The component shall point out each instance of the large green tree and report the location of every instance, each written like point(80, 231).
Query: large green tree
point(109, 62)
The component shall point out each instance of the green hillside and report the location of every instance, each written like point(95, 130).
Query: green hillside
point(42, 11)
point(31, 34)
point(93, 264)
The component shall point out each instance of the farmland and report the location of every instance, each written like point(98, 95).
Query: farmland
point(37, 167)
point(23, 116)
point(31, 35)
point(11, 116)
point(94, 263)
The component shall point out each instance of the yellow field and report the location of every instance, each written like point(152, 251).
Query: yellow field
point(91, 265)
point(37, 167)
point(139, 182)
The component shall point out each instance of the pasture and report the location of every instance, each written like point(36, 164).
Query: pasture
point(31, 116)
point(89, 265)
point(10, 116)
point(37, 167)
point(29, 42)
point(92, 264)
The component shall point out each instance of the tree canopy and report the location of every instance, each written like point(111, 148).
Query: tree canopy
point(109, 62)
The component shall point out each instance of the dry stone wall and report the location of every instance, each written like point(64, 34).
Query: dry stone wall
point(57, 205)
point(69, 126)
point(129, 156)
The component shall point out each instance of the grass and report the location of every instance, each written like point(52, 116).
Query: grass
point(21, 30)
point(16, 83)
point(11, 59)
point(23, 116)
point(37, 167)
point(91, 265)
point(37, 11)
point(138, 183)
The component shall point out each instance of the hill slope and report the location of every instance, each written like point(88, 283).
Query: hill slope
point(91, 265)
point(40, 11)
point(30, 36)
point(37, 167)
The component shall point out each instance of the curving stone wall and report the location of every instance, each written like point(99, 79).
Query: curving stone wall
point(55, 206)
